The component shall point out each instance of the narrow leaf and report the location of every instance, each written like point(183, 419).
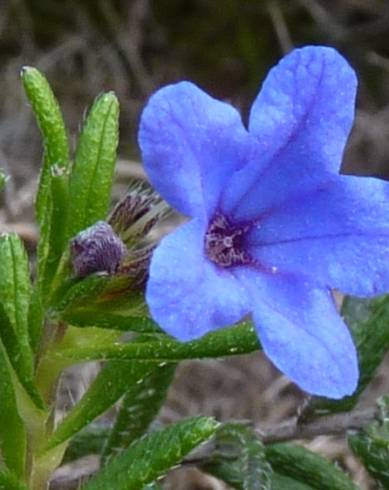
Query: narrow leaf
point(231, 472)
point(92, 173)
point(87, 317)
point(300, 464)
point(3, 180)
point(15, 293)
point(281, 482)
point(240, 339)
point(52, 242)
point(90, 440)
point(139, 407)
point(73, 293)
point(249, 469)
point(12, 431)
point(50, 121)
point(9, 481)
point(35, 318)
point(102, 297)
point(51, 204)
point(371, 445)
point(151, 456)
point(109, 385)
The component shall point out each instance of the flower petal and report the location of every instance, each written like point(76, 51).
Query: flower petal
point(302, 333)
point(190, 144)
point(309, 94)
point(301, 118)
point(187, 295)
point(337, 233)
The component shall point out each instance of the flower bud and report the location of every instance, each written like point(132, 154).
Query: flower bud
point(96, 249)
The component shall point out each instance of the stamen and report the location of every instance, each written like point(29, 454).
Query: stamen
point(224, 242)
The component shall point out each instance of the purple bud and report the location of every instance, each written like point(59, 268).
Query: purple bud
point(96, 249)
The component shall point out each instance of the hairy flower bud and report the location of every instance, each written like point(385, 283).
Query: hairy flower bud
point(96, 249)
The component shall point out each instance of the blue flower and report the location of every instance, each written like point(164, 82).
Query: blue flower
point(273, 227)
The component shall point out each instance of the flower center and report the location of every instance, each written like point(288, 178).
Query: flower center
point(224, 242)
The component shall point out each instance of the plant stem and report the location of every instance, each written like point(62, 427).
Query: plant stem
point(43, 463)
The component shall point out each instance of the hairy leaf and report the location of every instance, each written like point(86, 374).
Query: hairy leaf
point(249, 469)
point(3, 180)
point(15, 293)
point(86, 317)
point(231, 472)
point(13, 437)
point(35, 318)
point(281, 482)
point(54, 247)
point(9, 481)
point(50, 121)
point(92, 173)
point(101, 300)
point(110, 384)
point(371, 445)
point(240, 339)
point(51, 200)
point(151, 456)
point(74, 293)
point(139, 407)
point(300, 464)
point(90, 440)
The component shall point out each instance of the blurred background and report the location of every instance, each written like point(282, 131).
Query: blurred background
point(226, 46)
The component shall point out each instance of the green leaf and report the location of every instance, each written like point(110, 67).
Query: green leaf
point(240, 339)
point(371, 445)
point(86, 317)
point(101, 298)
point(280, 482)
point(15, 287)
point(92, 173)
point(151, 456)
point(231, 472)
point(35, 318)
point(368, 320)
point(110, 384)
point(139, 407)
point(53, 241)
point(249, 469)
point(13, 438)
point(90, 440)
point(50, 121)
point(3, 180)
point(75, 292)
point(51, 203)
point(15, 293)
point(300, 464)
point(9, 481)
point(51, 200)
